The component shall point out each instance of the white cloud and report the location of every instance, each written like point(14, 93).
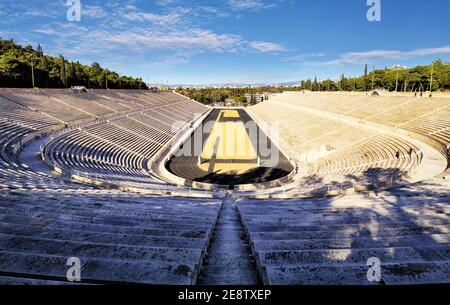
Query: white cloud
point(35, 13)
point(189, 39)
point(304, 56)
point(265, 47)
point(171, 60)
point(213, 11)
point(175, 16)
point(93, 11)
point(48, 11)
point(76, 39)
point(370, 56)
point(154, 18)
point(238, 5)
point(170, 36)
point(167, 2)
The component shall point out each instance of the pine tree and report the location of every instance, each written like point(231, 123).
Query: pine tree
point(315, 85)
point(79, 73)
point(303, 84)
point(63, 74)
point(39, 50)
point(366, 70)
point(72, 74)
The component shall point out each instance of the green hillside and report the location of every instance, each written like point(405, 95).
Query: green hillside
point(17, 64)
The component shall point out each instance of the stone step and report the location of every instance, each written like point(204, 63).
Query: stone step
point(280, 210)
point(221, 233)
point(230, 227)
point(234, 230)
point(104, 238)
point(227, 272)
point(352, 256)
point(228, 222)
point(346, 233)
point(278, 213)
point(97, 250)
point(114, 225)
point(353, 243)
point(434, 253)
point(111, 229)
point(236, 261)
point(5, 280)
point(395, 274)
point(342, 218)
point(303, 220)
point(118, 214)
point(331, 227)
point(94, 209)
point(229, 215)
point(227, 247)
point(127, 220)
point(216, 279)
point(99, 270)
point(230, 239)
point(126, 201)
point(415, 273)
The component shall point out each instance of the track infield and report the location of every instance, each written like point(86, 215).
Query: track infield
point(229, 155)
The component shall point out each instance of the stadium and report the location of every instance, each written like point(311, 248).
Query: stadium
point(95, 175)
point(247, 178)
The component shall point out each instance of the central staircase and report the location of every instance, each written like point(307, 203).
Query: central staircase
point(229, 260)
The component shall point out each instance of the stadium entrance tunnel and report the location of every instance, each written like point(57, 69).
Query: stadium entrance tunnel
point(229, 149)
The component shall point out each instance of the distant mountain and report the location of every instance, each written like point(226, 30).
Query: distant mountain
point(223, 85)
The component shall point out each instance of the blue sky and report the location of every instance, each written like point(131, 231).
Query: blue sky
point(239, 41)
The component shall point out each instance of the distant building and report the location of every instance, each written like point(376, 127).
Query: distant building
point(257, 98)
point(78, 89)
point(227, 103)
point(249, 98)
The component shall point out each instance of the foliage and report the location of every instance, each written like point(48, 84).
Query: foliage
point(393, 79)
point(16, 63)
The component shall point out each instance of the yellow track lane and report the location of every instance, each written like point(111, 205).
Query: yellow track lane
point(229, 140)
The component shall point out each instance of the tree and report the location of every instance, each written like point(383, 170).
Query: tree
point(72, 74)
point(366, 70)
point(308, 84)
point(39, 51)
point(329, 85)
point(10, 67)
point(240, 100)
point(315, 85)
point(63, 74)
point(16, 62)
point(343, 83)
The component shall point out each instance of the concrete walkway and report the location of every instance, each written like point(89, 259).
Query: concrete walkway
point(31, 156)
